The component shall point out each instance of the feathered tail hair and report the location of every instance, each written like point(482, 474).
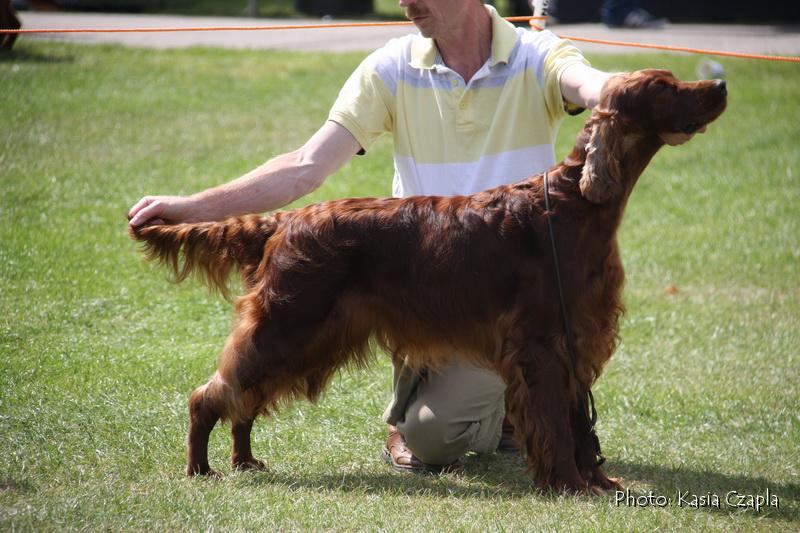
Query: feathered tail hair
point(209, 249)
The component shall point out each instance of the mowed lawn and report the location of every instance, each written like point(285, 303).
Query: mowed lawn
point(98, 351)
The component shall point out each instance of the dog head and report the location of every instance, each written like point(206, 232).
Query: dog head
point(646, 104)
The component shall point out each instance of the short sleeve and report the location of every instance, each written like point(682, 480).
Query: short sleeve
point(562, 55)
point(365, 105)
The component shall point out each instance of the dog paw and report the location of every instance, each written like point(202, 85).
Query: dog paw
point(249, 464)
point(195, 471)
point(571, 485)
point(605, 483)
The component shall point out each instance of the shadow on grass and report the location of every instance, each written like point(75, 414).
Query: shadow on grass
point(501, 476)
point(21, 55)
point(490, 477)
point(15, 485)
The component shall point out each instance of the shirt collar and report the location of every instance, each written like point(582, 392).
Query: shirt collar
point(424, 53)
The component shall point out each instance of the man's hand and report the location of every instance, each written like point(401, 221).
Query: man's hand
point(582, 85)
point(159, 209)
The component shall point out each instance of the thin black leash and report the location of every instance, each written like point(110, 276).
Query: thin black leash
point(591, 414)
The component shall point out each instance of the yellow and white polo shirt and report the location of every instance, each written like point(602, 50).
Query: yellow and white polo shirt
point(452, 137)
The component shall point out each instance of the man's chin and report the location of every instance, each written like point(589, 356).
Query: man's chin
point(422, 24)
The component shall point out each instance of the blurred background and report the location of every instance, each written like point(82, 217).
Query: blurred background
point(567, 11)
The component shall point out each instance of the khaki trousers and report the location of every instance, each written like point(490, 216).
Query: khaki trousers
point(445, 414)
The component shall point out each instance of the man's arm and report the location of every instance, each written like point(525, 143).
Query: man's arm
point(581, 85)
point(276, 183)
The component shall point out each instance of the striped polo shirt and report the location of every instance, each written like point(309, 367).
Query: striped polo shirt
point(452, 137)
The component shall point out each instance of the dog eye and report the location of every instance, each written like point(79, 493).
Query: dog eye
point(691, 127)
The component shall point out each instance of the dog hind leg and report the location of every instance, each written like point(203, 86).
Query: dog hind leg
point(242, 456)
point(268, 360)
point(204, 412)
point(221, 398)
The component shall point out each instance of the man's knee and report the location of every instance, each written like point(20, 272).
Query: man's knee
point(454, 411)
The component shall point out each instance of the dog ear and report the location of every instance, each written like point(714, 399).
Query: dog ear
point(600, 178)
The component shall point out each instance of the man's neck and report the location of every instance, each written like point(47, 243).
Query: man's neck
point(467, 48)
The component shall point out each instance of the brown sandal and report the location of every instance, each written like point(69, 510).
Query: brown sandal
point(397, 454)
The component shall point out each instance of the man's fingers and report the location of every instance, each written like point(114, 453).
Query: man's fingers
point(149, 211)
point(139, 205)
point(157, 210)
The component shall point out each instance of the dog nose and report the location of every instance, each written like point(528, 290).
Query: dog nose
point(721, 86)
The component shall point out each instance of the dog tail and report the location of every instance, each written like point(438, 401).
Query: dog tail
point(209, 249)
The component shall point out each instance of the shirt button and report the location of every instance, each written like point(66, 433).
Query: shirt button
point(462, 105)
point(453, 82)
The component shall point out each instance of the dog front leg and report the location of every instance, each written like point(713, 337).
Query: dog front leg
point(587, 450)
point(539, 402)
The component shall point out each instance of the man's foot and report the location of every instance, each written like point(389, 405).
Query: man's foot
point(402, 459)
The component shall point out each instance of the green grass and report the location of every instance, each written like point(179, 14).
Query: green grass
point(98, 352)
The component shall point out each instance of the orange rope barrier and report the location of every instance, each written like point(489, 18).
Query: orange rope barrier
point(743, 55)
point(792, 59)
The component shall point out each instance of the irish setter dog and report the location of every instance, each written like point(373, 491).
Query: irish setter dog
point(429, 277)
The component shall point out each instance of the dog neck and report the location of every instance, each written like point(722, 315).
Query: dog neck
point(637, 154)
point(634, 153)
